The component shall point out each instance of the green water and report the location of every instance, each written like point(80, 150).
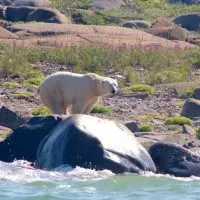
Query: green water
point(18, 181)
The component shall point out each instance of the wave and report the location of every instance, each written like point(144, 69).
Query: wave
point(21, 170)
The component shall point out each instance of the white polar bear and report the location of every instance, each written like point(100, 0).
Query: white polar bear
point(63, 90)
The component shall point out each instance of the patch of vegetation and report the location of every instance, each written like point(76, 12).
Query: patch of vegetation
point(3, 134)
point(101, 109)
point(189, 92)
point(150, 10)
point(33, 82)
point(155, 67)
point(131, 76)
point(82, 17)
point(146, 128)
point(180, 120)
point(149, 116)
point(198, 133)
point(41, 111)
point(23, 93)
point(141, 88)
point(11, 84)
point(68, 4)
point(174, 127)
point(180, 104)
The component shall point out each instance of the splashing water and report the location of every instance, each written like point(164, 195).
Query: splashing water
point(18, 180)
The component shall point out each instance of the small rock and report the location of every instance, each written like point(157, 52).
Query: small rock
point(10, 119)
point(132, 126)
point(191, 108)
point(196, 121)
point(196, 94)
point(188, 129)
point(170, 32)
point(188, 2)
point(136, 24)
point(190, 145)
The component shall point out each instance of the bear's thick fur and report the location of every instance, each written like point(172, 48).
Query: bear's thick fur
point(63, 90)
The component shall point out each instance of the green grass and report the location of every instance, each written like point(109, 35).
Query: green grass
point(146, 128)
point(131, 76)
point(174, 127)
point(198, 133)
point(23, 93)
point(33, 82)
point(149, 116)
point(157, 67)
point(41, 111)
point(101, 109)
point(150, 10)
point(82, 17)
point(68, 4)
point(4, 134)
point(11, 84)
point(141, 88)
point(189, 92)
point(180, 120)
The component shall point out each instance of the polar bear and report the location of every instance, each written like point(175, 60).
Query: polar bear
point(64, 90)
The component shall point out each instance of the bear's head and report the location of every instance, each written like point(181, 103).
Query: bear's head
point(108, 86)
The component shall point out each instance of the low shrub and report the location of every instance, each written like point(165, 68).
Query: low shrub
point(180, 120)
point(23, 93)
point(146, 128)
point(101, 109)
point(141, 88)
point(11, 84)
point(41, 111)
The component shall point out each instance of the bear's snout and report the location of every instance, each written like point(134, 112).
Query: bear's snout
point(114, 90)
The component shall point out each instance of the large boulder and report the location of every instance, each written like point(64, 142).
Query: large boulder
point(90, 142)
point(136, 24)
point(48, 16)
point(33, 3)
point(170, 33)
point(23, 142)
point(191, 108)
point(27, 14)
point(106, 4)
point(173, 159)
point(189, 21)
point(5, 2)
point(188, 2)
point(5, 34)
point(15, 14)
point(76, 34)
point(166, 29)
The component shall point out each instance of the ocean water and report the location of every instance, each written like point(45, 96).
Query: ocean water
point(19, 181)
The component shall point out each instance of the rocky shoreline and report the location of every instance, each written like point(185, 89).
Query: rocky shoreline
point(135, 109)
